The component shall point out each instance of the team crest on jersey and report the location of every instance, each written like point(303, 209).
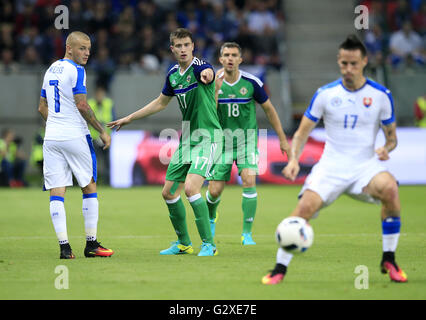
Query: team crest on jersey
point(243, 90)
point(336, 101)
point(188, 78)
point(367, 102)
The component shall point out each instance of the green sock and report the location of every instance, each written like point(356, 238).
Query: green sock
point(177, 215)
point(201, 212)
point(212, 204)
point(249, 204)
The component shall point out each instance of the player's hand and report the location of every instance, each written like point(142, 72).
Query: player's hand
point(118, 123)
point(207, 76)
point(382, 153)
point(285, 148)
point(106, 139)
point(220, 76)
point(291, 170)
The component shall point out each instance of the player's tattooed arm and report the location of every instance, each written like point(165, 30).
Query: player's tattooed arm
point(291, 170)
point(43, 108)
point(88, 115)
point(87, 112)
point(391, 141)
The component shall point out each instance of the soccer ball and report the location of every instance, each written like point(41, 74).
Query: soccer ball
point(294, 234)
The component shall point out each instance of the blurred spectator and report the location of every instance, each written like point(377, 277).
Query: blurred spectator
point(401, 13)
point(6, 37)
point(7, 13)
point(148, 13)
point(419, 20)
point(7, 64)
point(30, 37)
point(36, 158)
point(104, 67)
point(77, 19)
point(375, 42)
point(263, 25)
point(27, 18)
point(406, 47)
point(124, 45)
point(420, 111)
point(12, 160)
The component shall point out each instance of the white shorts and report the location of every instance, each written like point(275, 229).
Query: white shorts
point(62, 159)
point(329, 182)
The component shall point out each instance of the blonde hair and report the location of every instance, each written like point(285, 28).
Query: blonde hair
point(74, 36)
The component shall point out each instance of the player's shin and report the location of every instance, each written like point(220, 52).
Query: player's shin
point(177, 215)
point(57, 213)
point(249, 205)
point(91, 215)
point(201, 213)
point(212, 204)
point(390, 233)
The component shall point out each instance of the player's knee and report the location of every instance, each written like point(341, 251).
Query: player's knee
point(215, 190)
point(167, 195)
point(190, 190)
point(389, 193)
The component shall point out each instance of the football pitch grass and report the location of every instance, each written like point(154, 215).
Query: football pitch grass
point(135, 224)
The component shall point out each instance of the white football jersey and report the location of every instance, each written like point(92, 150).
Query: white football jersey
point(62, 81)
point(351, 121)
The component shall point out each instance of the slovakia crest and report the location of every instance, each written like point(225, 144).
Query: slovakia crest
point(367, 102)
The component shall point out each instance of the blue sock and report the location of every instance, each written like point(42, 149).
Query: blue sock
point(390, 233)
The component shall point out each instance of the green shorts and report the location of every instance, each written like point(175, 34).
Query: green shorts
point(199, 159)
point(244, 158)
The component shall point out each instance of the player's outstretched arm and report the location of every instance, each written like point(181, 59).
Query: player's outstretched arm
point(153, 107)
point(207, 75)
point(391, 141)
point(43, 108)
point(300, 137)
point(88, 115)
point(274, 120)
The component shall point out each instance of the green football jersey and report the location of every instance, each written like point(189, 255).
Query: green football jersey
point(196, 102)
point(237, 107)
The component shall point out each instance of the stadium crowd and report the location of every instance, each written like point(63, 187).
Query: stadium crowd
point(397, 33)
point(133, 34)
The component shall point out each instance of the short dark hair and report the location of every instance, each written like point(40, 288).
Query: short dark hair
point(180, 33)
point(230, 45)
point(352, 42)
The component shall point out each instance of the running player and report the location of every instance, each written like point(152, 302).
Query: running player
point(237, 99)
point(68, 148)
point(353, 109)
point(192, 81)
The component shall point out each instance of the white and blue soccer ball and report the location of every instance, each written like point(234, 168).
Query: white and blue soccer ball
point(294, 234)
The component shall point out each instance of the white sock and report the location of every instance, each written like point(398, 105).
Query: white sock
point(390, 242)
point(59, 220)
point(91, 215)
point(283, 257)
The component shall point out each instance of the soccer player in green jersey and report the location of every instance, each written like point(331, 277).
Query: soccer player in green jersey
point(192, 81)
point(237, 99)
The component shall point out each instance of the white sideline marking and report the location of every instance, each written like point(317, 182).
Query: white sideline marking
point(220, 236)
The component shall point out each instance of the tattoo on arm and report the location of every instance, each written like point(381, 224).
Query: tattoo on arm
point(390, 136)
point(87, 112)
point(43, 108)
